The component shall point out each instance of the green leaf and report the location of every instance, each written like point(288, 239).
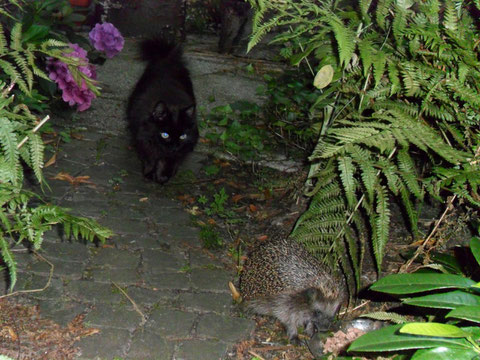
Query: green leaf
point(470, 313)
point(414, 283)
point(390, 339)
point(444, 353)
point(449, 300)
point(475, 248)
point(434, 329)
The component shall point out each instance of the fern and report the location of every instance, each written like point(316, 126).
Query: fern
point(412, 100)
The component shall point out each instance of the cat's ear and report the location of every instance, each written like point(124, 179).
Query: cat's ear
point(160, 110)
point(190, 111)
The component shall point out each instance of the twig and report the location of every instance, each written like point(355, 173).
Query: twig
point(421, 248)
point(135, 306)
point(255, 354)
point(50, 275)
point(355, 308)
point(35, 129)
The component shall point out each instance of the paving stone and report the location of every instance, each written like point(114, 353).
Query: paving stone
point(177, 281)
point(113, 316)
point(107, 344)
point(155, 261)
point(199, 259)
point(61, 311)
point(119, 276)
point(201, 350)
point(34, 282)
point(205, 302)
point(165, 321)
point(66, 251)
point(148, 297)
point(226, 328)
point(92, 292)
point(147, 345)
point(115, 258)
point(64, 269)
point(124, 226)
point(211, 279)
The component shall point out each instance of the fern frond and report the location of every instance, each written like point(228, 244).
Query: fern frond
point(15, 76)
point(36, 148)
point(345, 38)
point(3, 42)
point(347, 171)
point(381, 226)
point(387, 316)
point(408, 172)
point(8, 143)
point(9, 260)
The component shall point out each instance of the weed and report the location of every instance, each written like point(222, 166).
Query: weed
point(210, 237)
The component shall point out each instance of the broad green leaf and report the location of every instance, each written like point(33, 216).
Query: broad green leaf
point(414, 283)
point(448, 261)
point(390, 339)
point(475, 248)
point(434, 329)
point(444, 353)
point(449, 300)
point(470, 313)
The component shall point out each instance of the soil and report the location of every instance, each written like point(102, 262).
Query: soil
point(25, 335)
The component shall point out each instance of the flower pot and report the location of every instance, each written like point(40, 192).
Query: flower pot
point(81, 3)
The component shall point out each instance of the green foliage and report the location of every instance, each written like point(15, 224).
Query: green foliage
point(399, 120)
point(30, 32)
point(24, 218)
point(454, 335)
point(210, 237)
point(234, 126)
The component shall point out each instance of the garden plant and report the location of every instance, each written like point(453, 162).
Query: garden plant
point(398, 110)
point(35, 50)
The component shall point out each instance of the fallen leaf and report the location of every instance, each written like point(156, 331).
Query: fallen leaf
point(73, 180)
point(51, 161)
point(194, 211)
point(221, 163)
point(13, 335)
point(211, 221)
point(77, 136)
point(262, 237)
point(143, 199)
point(252, 208)
point(236, 198)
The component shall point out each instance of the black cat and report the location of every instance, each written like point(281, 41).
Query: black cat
point(161, 111)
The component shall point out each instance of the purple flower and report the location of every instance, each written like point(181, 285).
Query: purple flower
point(72, 93)
point(106, 38)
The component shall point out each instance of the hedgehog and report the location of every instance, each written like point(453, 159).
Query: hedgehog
point(280, 278)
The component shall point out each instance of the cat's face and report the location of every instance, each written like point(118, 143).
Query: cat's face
point(175, 129)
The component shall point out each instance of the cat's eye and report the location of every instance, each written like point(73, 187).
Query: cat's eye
point(164, 135)
point(183, 136)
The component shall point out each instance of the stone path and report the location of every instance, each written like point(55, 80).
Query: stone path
point(156, 256)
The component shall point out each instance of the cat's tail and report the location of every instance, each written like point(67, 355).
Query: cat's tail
point(159, 48)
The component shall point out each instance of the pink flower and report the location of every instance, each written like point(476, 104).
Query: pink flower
point(72, 93)
point(106, 38)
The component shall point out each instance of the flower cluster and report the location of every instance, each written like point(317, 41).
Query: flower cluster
point(106, 38)
point(72, 92)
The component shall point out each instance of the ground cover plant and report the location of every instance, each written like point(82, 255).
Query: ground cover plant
point(398, 110)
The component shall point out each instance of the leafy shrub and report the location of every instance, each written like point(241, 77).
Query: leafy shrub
point(454, 334)
point(400, 113)
point(24, 218)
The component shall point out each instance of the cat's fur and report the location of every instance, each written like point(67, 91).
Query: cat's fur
point(161, 111)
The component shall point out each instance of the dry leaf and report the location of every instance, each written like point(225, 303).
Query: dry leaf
point(236, 198)
point(73, 180)
point(252, 208)
point(143, 199)
point(51, 161)
point(211, 221)
point(262, 237)
point(13, 335)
